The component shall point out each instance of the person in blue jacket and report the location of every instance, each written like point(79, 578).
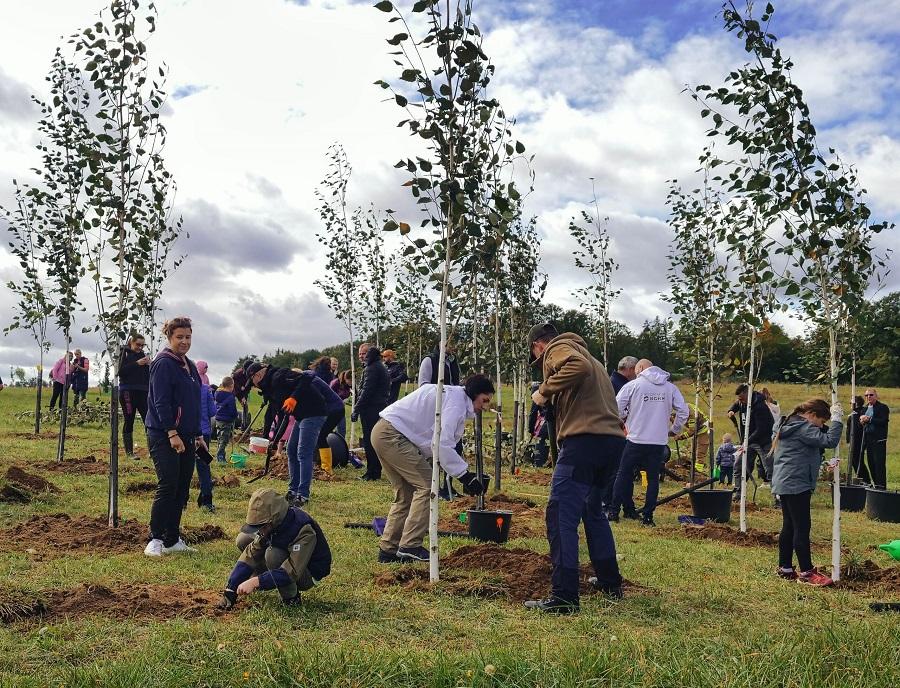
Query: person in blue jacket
point(173, 434)
point(226, 415)
point(797, 450)
point(207, 413)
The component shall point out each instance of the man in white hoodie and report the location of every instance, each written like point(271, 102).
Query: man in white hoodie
point(645, 406)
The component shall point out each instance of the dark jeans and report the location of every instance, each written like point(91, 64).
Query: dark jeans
point(78, 395)
point(204, 475)
point(856, 460)
point(331, 422)
point(794, 536)
point(373, 464)
point(645, 457)
point(341, 427)
point(58, 388)
point(876, 457)
point(585, 466)
point(132, 401)
point(173, 474)
point(726, 475)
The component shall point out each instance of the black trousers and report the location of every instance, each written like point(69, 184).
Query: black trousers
point(58, 388)
point(331, 422)
point(132, 401)
point(173, 474)
point(373, 463)
point(856, 459)
point(794, 536)
point(876, 457)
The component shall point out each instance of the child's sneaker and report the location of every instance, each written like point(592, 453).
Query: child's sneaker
point(813, 577)
point(787, 574)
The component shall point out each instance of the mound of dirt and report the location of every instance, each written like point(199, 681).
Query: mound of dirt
point(870, 578)
point(533, 478)
point(225, 481)
point(722, 533)
point(125, 601)
point(31, 482)
point(13, 494)
point(45, 435)
point(86, 465)
point(55, 534)
point(514, 574)
point(140, 487)
point(18, 604)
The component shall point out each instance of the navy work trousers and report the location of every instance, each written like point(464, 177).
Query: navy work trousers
point(586, 465)
point(646, 457)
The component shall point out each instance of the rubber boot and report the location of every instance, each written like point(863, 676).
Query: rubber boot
point(325, 459)
point(128, 441)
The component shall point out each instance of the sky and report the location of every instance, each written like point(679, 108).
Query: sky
point(258, 92)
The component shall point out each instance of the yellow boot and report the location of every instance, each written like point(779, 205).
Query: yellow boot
point(325, 459)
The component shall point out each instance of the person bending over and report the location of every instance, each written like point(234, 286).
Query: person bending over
point(282, 547)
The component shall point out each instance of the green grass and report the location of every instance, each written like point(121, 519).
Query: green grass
point(714, 615)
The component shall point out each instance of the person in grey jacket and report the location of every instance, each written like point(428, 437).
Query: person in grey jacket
point(797, 451)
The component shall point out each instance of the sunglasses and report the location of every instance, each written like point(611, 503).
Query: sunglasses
point(869, 395)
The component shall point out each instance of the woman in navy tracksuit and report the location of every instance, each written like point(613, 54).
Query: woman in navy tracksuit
point(173, 434)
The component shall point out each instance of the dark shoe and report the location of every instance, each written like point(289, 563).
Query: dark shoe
point(552, 605)
point(648, 522)
point(208, 508)
point(631, 515)
point(294, 601)
point(368, 478)
point(612, 516)
point(385, 557)
point(413, 554)
point(613, 592)
point(444, 494)
point(787, 574)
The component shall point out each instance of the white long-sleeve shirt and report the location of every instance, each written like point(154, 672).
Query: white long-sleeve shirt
point(646, 404)
point(413, 417)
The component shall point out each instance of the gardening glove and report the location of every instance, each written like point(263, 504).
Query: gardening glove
point(539, 399)
point(229, 597)
point(354, 417)
point(289, 405)
point(472, 486)
point(837, 412)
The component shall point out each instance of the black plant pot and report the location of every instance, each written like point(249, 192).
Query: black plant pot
point(714, 505)
point(490, 526)
point(340, 454)
point(853, 497)
point(883, 505)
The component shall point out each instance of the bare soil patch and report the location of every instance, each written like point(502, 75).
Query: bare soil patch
point(124, 601)
point(229, 480)
point(85, 465)
point(514, 574)
point(278, 468)
point(140, 487)
point(869, 577)
point(61, 534)
point(13, 494)
point(31, 482)
point(527, 521)
point(534, 478)
point(722, 533)
point(45, 435)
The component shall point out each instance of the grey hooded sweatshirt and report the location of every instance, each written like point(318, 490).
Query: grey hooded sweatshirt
point(798, 454)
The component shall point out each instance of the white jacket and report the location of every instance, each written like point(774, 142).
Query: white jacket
point(646, 404)
point(413, 417)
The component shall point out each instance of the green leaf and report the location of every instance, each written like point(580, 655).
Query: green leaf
point(401, 101)
point(384, 6)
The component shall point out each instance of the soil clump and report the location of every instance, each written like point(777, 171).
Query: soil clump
point(869, 577)
point(140, 487)
point(514, 574)
point(31, 482)
point(124, 601)
point(86, 465)
point(60, 534)
point(722, 533)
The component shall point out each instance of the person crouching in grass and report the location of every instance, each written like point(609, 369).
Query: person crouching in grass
point(797, 450)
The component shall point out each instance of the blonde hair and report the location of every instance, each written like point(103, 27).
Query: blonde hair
point(727, 437)
point(227, 381)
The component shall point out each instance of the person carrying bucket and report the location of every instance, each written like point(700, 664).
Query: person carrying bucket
point(282, 547)
point(590, 438)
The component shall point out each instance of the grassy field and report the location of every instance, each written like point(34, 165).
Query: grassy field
point(702, 612)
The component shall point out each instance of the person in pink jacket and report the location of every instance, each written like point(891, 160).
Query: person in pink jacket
point(61, 374)
point(202, 367)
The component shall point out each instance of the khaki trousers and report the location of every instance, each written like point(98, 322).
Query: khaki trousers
point(409, 473)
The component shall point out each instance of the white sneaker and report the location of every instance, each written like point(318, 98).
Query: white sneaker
point(154, 548)
point(179, 546)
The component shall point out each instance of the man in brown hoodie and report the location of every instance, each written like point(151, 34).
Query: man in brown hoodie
point(591, 439)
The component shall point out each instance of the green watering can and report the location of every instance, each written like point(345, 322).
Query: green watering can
point(892, 548)
point(717, 473)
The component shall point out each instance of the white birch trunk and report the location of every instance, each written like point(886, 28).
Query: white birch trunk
point(743, 510)
point(434, 563)
point(836, 520)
